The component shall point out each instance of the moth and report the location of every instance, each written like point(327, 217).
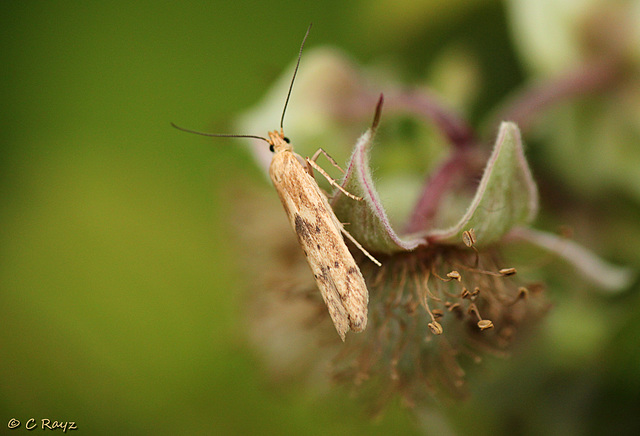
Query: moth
point(320, 233)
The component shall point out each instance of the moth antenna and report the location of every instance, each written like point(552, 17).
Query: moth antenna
point(220, 135)
point(284, 110)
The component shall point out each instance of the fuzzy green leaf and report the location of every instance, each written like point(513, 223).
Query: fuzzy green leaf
point(368, 220)
point(506, 196)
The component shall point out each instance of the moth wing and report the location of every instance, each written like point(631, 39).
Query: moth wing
point(319, 232)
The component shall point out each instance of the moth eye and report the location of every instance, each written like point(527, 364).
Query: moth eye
point(271, 149)
point(286, 140)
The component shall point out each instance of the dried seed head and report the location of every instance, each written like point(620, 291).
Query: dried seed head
point(523, 293)
point(435, 328)
point(469, 237)
point(507, 271)
point(454, 275)
point(485, 324)
point(418, 333)
point(473, 310)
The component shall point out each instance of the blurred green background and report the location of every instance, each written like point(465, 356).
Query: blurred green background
point(120, 293)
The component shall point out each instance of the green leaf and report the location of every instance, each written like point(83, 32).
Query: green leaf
point(506, 196)
point(368, 221)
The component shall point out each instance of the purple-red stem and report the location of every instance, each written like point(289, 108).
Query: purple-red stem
point(457, 131)
point(532, 100)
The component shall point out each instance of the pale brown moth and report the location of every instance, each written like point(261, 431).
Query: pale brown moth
point(319, 231)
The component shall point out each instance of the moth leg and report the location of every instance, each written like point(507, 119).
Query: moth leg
point(311, 163)
point(360, 247)
point(316, 155)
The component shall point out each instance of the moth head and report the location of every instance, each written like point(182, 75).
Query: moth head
point(272, 148)
point(278, 142)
